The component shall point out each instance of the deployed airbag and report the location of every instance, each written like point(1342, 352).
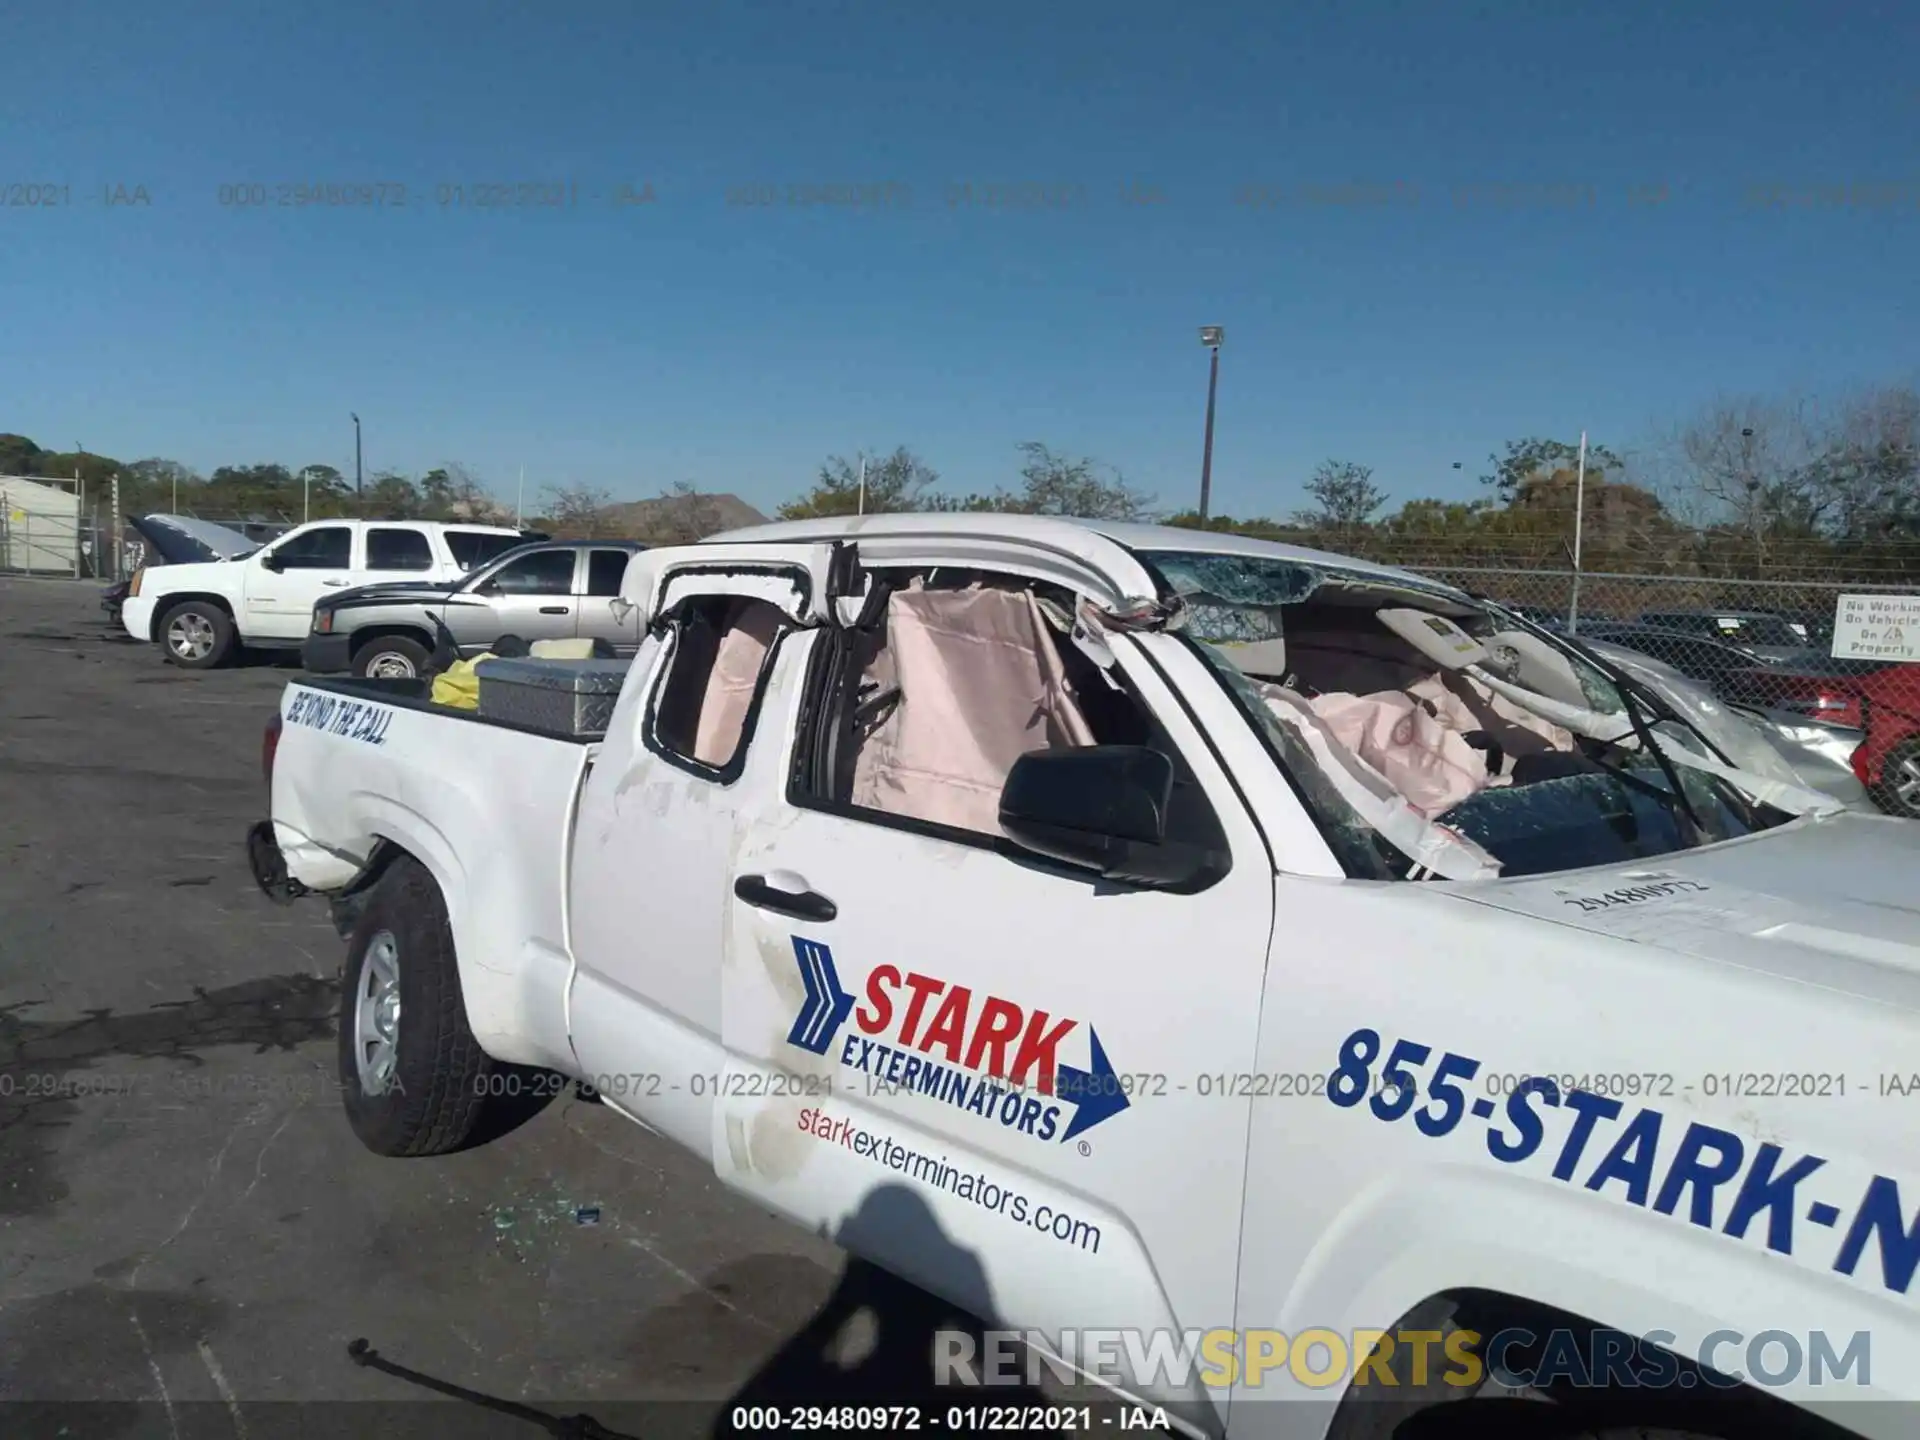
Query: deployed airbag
point(979, 684)
point(1373, 798)
point(1423, 758)
point(731, 683)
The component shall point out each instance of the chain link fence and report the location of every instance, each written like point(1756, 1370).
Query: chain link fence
point(41, 529)
point(1764, 645)
point(1748, 613)
point(52, 528)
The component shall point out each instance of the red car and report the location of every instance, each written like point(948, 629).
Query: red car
point(1885, 704)
point(1888, 763)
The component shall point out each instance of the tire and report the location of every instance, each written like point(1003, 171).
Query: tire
point(420, 1085)
point(393, 656)
point(196, 635)
point(1898, 792)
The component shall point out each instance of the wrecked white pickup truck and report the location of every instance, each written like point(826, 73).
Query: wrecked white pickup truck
point(1133, 929)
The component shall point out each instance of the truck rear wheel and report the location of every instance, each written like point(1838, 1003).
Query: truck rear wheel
point(414, 1080)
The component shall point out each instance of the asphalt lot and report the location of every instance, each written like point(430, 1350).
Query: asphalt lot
point(189, 1234)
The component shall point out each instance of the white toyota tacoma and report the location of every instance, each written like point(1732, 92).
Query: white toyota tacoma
point(1117, 928)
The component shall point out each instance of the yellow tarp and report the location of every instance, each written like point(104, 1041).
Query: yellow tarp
point(457, 686)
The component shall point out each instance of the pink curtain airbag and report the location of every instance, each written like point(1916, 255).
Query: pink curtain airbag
point(731, 683)
point(980, 685)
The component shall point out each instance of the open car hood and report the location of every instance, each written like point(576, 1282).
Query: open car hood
point(183, 540)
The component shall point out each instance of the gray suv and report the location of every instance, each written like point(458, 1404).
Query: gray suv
point(551, 590)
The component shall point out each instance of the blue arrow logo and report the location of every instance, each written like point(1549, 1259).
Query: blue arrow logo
point(1095, 1092)
point(827, 1004)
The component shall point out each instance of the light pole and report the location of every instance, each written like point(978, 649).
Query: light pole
point(359, 492)
point(306, 494)
point(1210, 336)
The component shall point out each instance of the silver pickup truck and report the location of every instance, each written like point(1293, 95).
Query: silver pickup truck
point(552, 590)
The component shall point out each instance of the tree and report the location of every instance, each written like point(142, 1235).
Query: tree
point(249, 490)
point(1533, 459)
point(574, 509)
point(1054, 485)
point(470, 499)
point(436, 493)
point(1438, 517)
point(1345, 493)
point(683, 515)
point(392, 496)
point(324, 491)
point(158, 484)
point(900, 482)
point(18, 456)
point(1866, 473)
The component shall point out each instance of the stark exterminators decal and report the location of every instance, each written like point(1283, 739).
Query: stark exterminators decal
point(980, 1053)
point(1663, 1161)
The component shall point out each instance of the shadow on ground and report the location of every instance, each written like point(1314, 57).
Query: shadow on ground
point(44, 1065)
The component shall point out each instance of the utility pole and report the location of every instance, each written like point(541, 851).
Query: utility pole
point(113, 520)
point(359, 482)
point(863, 485)
point(1210, 336)
point(1579, 515)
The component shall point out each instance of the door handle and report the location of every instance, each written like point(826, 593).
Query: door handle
point(801, 904)
point(553, 609)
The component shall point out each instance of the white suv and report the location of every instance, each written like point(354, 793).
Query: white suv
point(263, 599)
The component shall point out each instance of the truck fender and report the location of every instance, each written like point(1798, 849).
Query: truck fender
point(421, 634)
point(1406, 1240)
point(493, 986)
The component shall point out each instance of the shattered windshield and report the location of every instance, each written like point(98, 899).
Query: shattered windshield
point(1433, 735)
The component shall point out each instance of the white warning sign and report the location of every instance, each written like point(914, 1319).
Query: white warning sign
point(1877, 627)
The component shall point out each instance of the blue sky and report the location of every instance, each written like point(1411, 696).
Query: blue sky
point(699, 338)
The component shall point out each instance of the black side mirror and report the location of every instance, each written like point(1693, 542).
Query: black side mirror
point(1102, 808)
point(272, 562)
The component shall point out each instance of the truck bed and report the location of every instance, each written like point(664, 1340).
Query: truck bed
point(416, 695)
point(487, 807)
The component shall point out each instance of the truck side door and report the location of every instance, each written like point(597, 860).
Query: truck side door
point(1015, 1083)
point(664, 810)
point(532, 597)
point(600, 617)
point(284, 581)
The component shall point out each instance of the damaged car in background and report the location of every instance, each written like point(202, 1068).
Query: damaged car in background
point(203, 613)
point(1767, 741)
point(542, 591)
point(1114, 927)
point(177, 540)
